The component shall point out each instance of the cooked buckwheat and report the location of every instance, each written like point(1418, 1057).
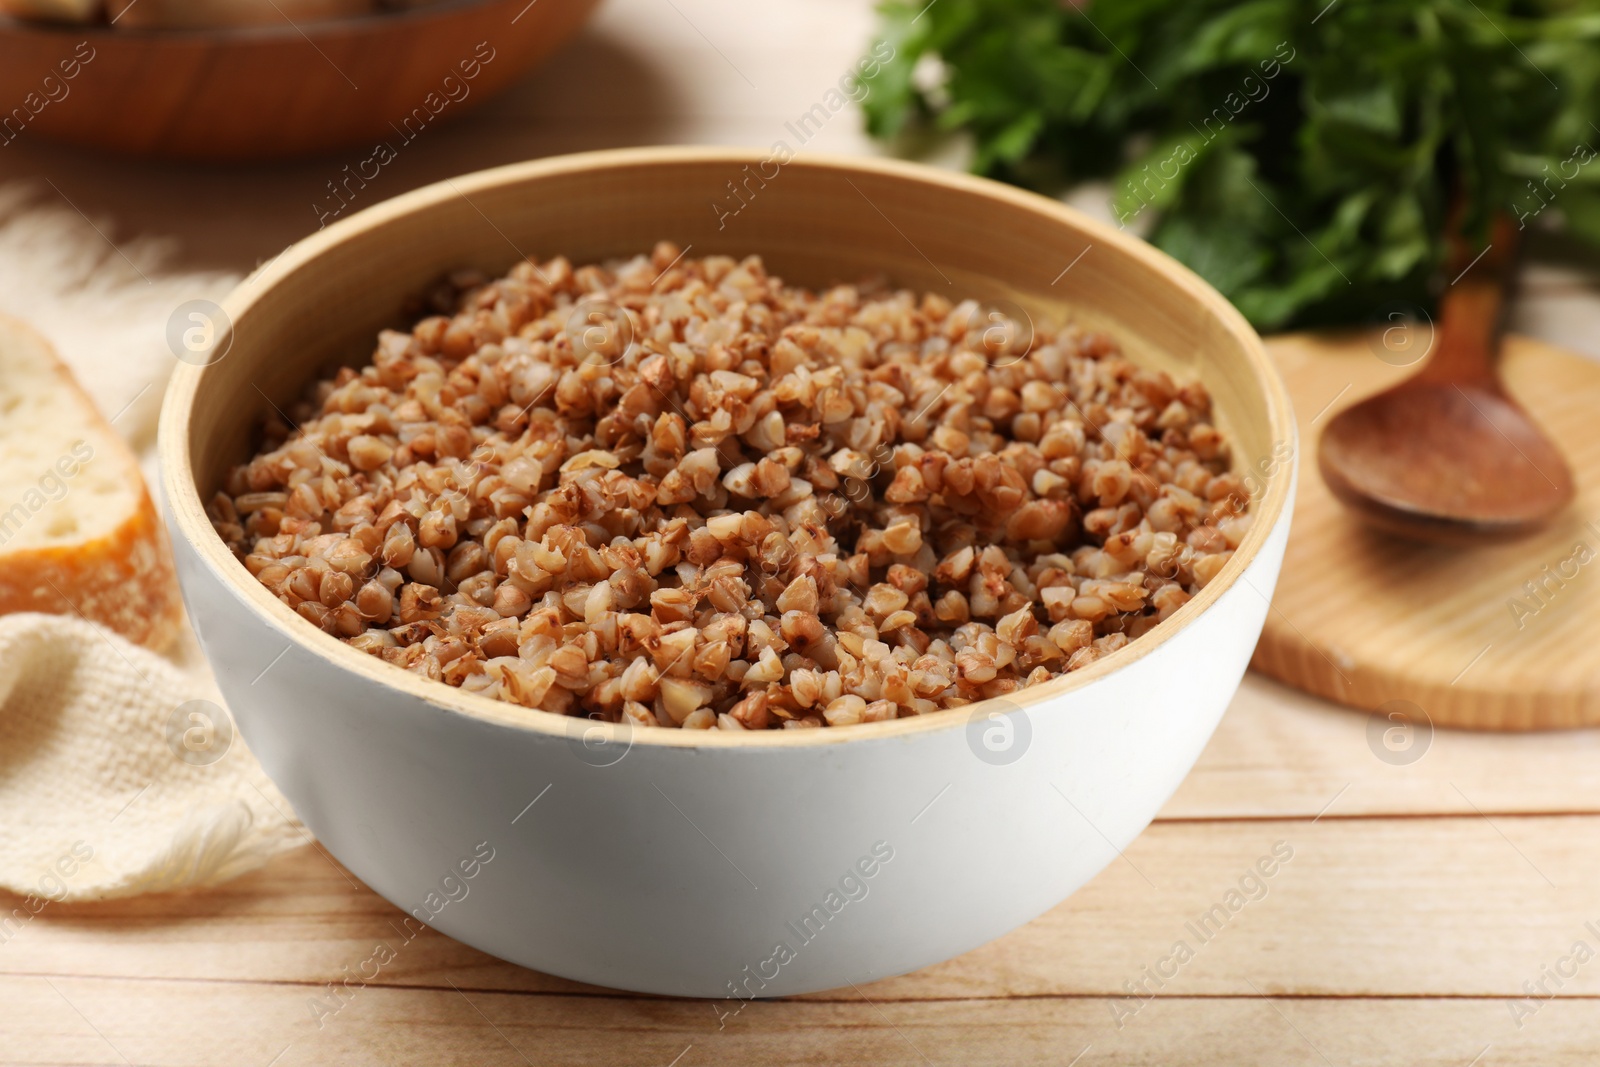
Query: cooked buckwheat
point(677, 492)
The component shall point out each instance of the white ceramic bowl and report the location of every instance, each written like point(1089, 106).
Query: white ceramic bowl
point(699, 863)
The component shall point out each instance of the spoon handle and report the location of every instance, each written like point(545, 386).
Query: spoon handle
point(1471, 310)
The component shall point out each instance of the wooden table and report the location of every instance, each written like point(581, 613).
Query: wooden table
point(1422, 901)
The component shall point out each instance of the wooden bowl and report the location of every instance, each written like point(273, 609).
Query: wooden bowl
point(605, 842)
point(254, 93)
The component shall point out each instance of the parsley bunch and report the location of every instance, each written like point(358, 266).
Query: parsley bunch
point(1304, 157)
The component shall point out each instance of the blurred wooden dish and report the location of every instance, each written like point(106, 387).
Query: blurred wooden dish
point(228, 14)
point(269, 92)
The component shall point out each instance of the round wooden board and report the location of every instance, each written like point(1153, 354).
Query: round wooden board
point(1365, 619)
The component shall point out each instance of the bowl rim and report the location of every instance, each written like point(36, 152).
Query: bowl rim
point(307, 28)
point(187, 517)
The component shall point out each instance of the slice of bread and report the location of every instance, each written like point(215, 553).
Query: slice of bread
point(78, 533)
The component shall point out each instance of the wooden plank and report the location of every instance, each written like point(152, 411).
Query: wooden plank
point(1391, 907)
point(1279, 752)
point(194, 1024)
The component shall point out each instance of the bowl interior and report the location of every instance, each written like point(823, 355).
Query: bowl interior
point(815, 221)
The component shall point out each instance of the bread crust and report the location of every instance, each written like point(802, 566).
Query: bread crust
point(123, 579)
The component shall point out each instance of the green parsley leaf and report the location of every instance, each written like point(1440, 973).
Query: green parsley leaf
point(1303, 157)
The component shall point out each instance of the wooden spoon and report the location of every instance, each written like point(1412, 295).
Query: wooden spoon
point(1448, 456)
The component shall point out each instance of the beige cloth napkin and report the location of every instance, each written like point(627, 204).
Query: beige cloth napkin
point(109, 784)
point(97, 798)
